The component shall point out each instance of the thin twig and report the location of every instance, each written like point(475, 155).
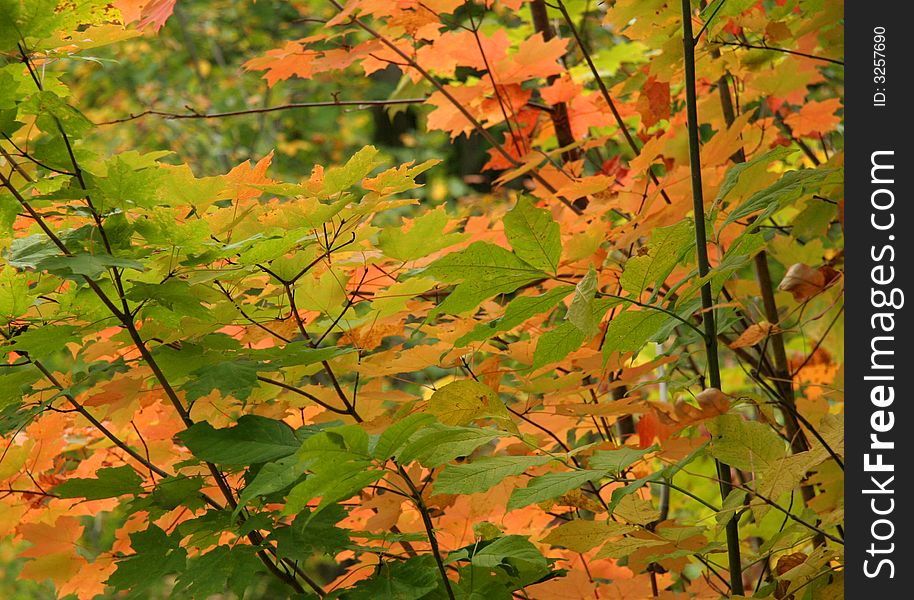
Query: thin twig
point(609, 101)
point(264, 109)
point(776, 49)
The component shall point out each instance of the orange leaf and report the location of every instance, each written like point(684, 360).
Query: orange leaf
point(283, 63)
point(654, 101)
point(814, 117)
point(653, 426)
point(534, 58)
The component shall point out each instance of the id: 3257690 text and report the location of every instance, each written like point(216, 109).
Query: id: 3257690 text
point(879, 60)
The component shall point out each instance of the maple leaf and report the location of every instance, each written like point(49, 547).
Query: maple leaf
point(150, 14)
point(292, 60)
point(814, 117)
point(463, 48)
point(245, 178)
point(533, 58)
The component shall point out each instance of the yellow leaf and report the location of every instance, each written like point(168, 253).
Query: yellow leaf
point(581, 536)
point(636, 510)
point(462, 402)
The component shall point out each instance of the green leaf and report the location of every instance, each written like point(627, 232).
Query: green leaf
point(272, 477)
point(610, 60)
point(223, 568)
point(51, 109)
point(156, 556)
point(335, 482)
point(28, 252)
point(534, 235)
point(32, 19)
point(236, 378)
point(437, 444)
point(709, 12)
point(792, 186)
point(581, 312)
point(626, 546)
point(174, 294)
point(485, 270)
point(424, 237)
point(9, 125)
point(549, 486)
point(630, 330)
point(15, 298)
point(616, 461)
point(664, 474)
point(518, 310)
point(295, 354)
point(513, 552)
point(395, 436)
point(17, 381)
point(732, 504)
point(412, 579)
point(42, 342)
point(208, 528)
point(483, 473)
point(39, 253)
point(111, 483)
point(172, 492)
point(814, 220)
point(737, 256)
point(178, 186)
point(462, 402)
point(42, 24)
point(582, 536)
point(358, 167)
point(329, 448)
point(89, 265)
point(748, 445)
point(745, 173)
point(253, 440)
point(128, 182)
point(667, 247)
point(307, 536)
point(556, 344)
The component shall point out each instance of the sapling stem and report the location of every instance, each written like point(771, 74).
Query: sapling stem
point(707, 300)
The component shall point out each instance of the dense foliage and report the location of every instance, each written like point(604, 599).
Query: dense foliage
point(421, 299)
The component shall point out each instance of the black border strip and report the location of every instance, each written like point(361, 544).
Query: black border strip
point(879, 271)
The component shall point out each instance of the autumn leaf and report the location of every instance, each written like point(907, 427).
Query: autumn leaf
point(462, 402)
point(754, 334)
point(654, 101)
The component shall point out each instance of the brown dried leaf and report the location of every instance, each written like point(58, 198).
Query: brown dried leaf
point(790, 561)
point(754, 334)
point(803, 282)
